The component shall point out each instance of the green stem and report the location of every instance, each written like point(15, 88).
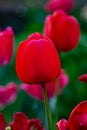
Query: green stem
point(56, 105)
point(8, 128)
point(48, 114)
point(57, 96)
point(57, 100)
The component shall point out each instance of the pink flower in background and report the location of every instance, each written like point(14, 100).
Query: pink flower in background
point(53, 5)
point(36, 90)
point(83, 78)
point(6, 45)
point(77, 119)
point(63, 81)
point(8, 94)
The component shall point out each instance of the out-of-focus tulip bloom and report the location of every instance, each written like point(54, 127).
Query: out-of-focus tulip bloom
point(63, 81)
point(36, 90)
point(6, 45)
point(83, 78)
point(63, 30)
point(77, 119)
point(37, 61)
point(21, 122)
point(53, 5)
point(7, 94)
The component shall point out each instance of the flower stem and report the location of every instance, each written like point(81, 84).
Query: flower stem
point(57, 96)
point(57, 100)
point(8, 128)
point(48, 114)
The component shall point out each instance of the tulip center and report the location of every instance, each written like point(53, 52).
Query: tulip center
point(8, 128)
point(33, 128)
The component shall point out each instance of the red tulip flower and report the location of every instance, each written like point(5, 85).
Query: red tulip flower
point(77, 119)
point(37, 60)
point(21, 122)
point(36, 90)
point(6, 45)
point(7, 94)
point(53, 5)
point(63, 30)
point(83, 78)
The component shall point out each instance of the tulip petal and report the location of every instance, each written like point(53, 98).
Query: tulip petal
point(20, 122)
point(36, 90)
point(83, 78)
point(78, 117)
point(6, 46)
point(63, 81)
point(35, 123)
point(53, 5)
point(62, 124)
point(8, 94)
point(2, 122)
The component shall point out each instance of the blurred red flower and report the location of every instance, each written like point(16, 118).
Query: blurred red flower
point(6, 45)
point(77, 119)
point(36, 90)
point(53, 5)
point(7, 94)
point(37, 60)
point(63, 81)
point(2, 122)
point(63, 30)
point(21, 122)
point(83, 78)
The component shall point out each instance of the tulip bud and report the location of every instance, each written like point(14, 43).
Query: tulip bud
point(63, 30)
point(37, 60)
point(6, 46)
point(53, 5)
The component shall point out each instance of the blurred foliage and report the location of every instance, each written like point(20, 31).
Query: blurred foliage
point(74, 63)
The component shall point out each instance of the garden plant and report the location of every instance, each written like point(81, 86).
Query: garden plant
point(37, 65)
